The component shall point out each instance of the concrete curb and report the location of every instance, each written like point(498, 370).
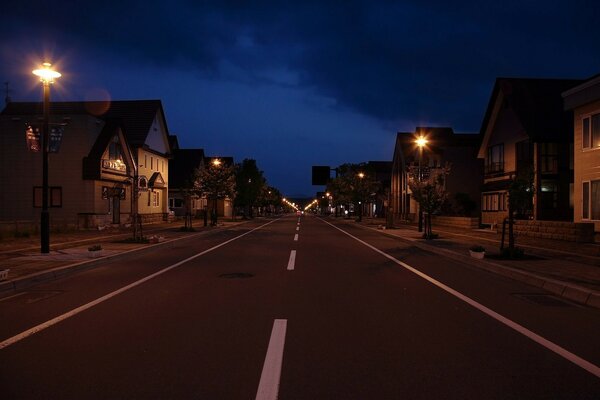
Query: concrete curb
point(575, 293)
point(70, 269)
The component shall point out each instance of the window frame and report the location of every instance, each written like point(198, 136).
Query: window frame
point(588, 139)
point(54, 193)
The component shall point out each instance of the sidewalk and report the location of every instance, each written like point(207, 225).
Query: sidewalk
point(567, 269)
point(69, 251)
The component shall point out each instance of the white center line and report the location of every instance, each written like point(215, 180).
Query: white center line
point(297, 228)
point(75, 311)
point(292, 261)
point(566, 354)
point(296, 237)
point(268, 388)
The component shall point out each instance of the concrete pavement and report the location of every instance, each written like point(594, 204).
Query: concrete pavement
point(69, 251)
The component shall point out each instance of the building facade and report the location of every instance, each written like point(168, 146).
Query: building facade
point(443, 148)
point(112, 161)
point(526, 132)
point(584, 101)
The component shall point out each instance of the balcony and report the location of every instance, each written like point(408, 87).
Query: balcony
point(494, 168)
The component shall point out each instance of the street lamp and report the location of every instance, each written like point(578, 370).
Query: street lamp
point(47, 76)
point(421, 142)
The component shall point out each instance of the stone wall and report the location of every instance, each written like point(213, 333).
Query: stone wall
point(569, 231)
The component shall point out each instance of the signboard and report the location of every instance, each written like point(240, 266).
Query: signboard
point(33, 133)
point(115, 165)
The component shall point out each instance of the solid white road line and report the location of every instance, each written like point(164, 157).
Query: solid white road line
point(297, 228)
point(292, 260)
point(564, 353)
point(69, 314)
point(296, 237)
point(268, 388)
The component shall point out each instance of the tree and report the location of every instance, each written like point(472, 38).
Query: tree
point(249, 183)
point(430, 193)
point(215, 181)
point(356, 184)
point(269, 198)
point(520, 199)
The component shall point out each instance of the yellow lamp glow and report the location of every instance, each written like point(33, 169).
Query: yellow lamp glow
point(216, 162)
point(421, 141)
point(46, 74)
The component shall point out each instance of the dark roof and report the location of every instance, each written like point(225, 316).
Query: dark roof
point(135, 116)
point(173, 142)
point(91, 163)
point(182, 166)
point(538, 104)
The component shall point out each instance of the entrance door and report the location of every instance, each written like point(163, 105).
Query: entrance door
point(116, 209)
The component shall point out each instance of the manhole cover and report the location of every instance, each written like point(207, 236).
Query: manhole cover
point(236, 275)
point(544, 299)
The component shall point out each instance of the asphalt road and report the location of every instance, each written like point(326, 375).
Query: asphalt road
point(300, 309)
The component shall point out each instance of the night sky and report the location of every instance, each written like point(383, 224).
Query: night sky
point(296, 84)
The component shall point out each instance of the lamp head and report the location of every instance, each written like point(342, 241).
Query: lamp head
point(46, 74)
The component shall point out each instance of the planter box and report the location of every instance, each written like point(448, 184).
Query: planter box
point(96, 253)
point(477, 254)
point(4, 274)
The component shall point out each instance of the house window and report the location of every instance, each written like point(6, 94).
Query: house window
point(151, 162)
point(591, 200)
point(549, 158)
point(494, 162)
point(54, 196)
point(494, 201)
point(155, 199)
point(549, 195)
point(591, 132)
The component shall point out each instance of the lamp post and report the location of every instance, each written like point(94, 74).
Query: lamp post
point(421, 142)
point(360, 191)
point(47, 76)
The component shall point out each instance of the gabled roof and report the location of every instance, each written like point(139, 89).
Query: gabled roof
point(92, 163)
point(537, 103)
point(182, 166)
point(135, 116)
point(585, 93)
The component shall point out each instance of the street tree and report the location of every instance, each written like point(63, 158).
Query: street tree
point(520, 200)
point(356, 184)
point(215, 181)
point(249, 183)
point(430, 193)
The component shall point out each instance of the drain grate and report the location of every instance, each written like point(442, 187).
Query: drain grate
point(542, 299)
point(236, 275)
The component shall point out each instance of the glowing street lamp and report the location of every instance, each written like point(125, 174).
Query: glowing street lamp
point(47, 76)
point(216, 162)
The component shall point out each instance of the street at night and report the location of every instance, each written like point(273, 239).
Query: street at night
point(355, 315)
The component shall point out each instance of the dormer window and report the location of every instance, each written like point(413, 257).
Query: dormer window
point(115, 151)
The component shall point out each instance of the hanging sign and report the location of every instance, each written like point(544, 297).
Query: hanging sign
point(33, 133)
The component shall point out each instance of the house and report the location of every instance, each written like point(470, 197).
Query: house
point(583, 101)
point(182, 169)
point(112, 162)
point(442, 147)
point(526, 131)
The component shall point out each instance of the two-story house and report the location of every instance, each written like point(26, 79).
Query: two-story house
point(526, 131)
point(106, 149)
point(584, 101)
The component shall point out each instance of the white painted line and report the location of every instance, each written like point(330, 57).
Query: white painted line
point(296, 237)
point(564, 353)
point(13, 296)
point(69, 314)
point(297, 228)
point(292, 260)
point(268, 388)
